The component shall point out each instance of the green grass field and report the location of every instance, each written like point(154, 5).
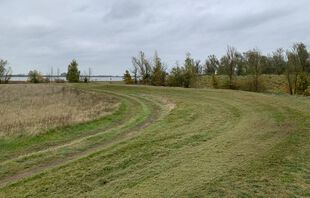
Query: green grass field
point(168, 142)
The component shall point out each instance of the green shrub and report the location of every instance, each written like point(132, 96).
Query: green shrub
point(73, 74)
point(215, 82)
point(303, 82)
point(307, 91)
point(127, 78)
point(247, 83)
point(59, 81)
point(35, 76)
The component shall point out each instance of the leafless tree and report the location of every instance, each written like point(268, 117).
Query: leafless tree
point(293, 69)
point(254, 66)
point(142, 66)
point(5, 72)
point(229, 62)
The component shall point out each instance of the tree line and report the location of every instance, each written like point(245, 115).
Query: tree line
point(72, 75)
point(35, 76)
point(293, 63)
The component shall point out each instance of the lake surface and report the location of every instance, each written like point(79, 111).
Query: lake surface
point(95, 79)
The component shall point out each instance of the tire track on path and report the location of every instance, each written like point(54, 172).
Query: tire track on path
point(147, 105)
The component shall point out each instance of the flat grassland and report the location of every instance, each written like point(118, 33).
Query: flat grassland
point(168, 142)
point(33, 109)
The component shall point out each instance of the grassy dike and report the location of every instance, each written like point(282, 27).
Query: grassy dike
point(173, 142)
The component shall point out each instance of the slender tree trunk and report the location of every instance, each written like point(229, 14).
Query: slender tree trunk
point(295, 83)
point(256, 82)
point(289, 84)
point(136, 82)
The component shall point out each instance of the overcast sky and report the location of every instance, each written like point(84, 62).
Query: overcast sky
point(105, 34)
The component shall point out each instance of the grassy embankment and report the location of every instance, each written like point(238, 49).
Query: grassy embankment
point(267, 83)
point(169, 142)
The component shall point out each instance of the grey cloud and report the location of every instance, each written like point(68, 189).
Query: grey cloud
point(105, 34)
point(123, 9)
point(252, 20)
point(82, 8)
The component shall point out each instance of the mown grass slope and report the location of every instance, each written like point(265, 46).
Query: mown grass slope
point(173, 142)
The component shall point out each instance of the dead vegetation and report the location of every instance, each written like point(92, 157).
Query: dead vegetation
point(34, 109)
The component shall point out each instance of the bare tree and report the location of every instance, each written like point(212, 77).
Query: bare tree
point(229, 63)
point(254, 65)
point(293, 69)
point(134, 71)
point(303, 55)
point(142, 66)
point(5, 73)
point(278, 61)
point(212, 64)
point(198, 67)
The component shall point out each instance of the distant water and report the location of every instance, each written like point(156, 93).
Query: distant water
point(96, 79)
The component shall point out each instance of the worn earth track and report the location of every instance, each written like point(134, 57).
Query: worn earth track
point(86, 145)
point(214, 143)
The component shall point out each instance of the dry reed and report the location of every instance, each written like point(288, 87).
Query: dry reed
point(30, 109)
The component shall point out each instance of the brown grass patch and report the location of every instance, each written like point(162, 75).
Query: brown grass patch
point(33, 109)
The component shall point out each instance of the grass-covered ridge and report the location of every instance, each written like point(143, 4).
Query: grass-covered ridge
point(173, 142)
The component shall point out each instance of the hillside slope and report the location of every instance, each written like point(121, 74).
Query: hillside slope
point(173, 142)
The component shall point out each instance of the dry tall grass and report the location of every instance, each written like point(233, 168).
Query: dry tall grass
point(33, 109)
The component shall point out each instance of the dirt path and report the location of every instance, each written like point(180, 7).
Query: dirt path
point(214, 142)
point(124, 136)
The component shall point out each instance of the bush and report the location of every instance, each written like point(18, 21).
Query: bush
point(176, 78)
point(85, 80)
point(35, 77)
point(229, 83)
point(59, 81)
point(247, 83)
point(303, 83)
point(127, 78)
point(215, 82)
point(307, 91)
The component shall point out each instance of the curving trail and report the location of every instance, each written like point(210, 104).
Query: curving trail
point(171, 142)
point(140, 112)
